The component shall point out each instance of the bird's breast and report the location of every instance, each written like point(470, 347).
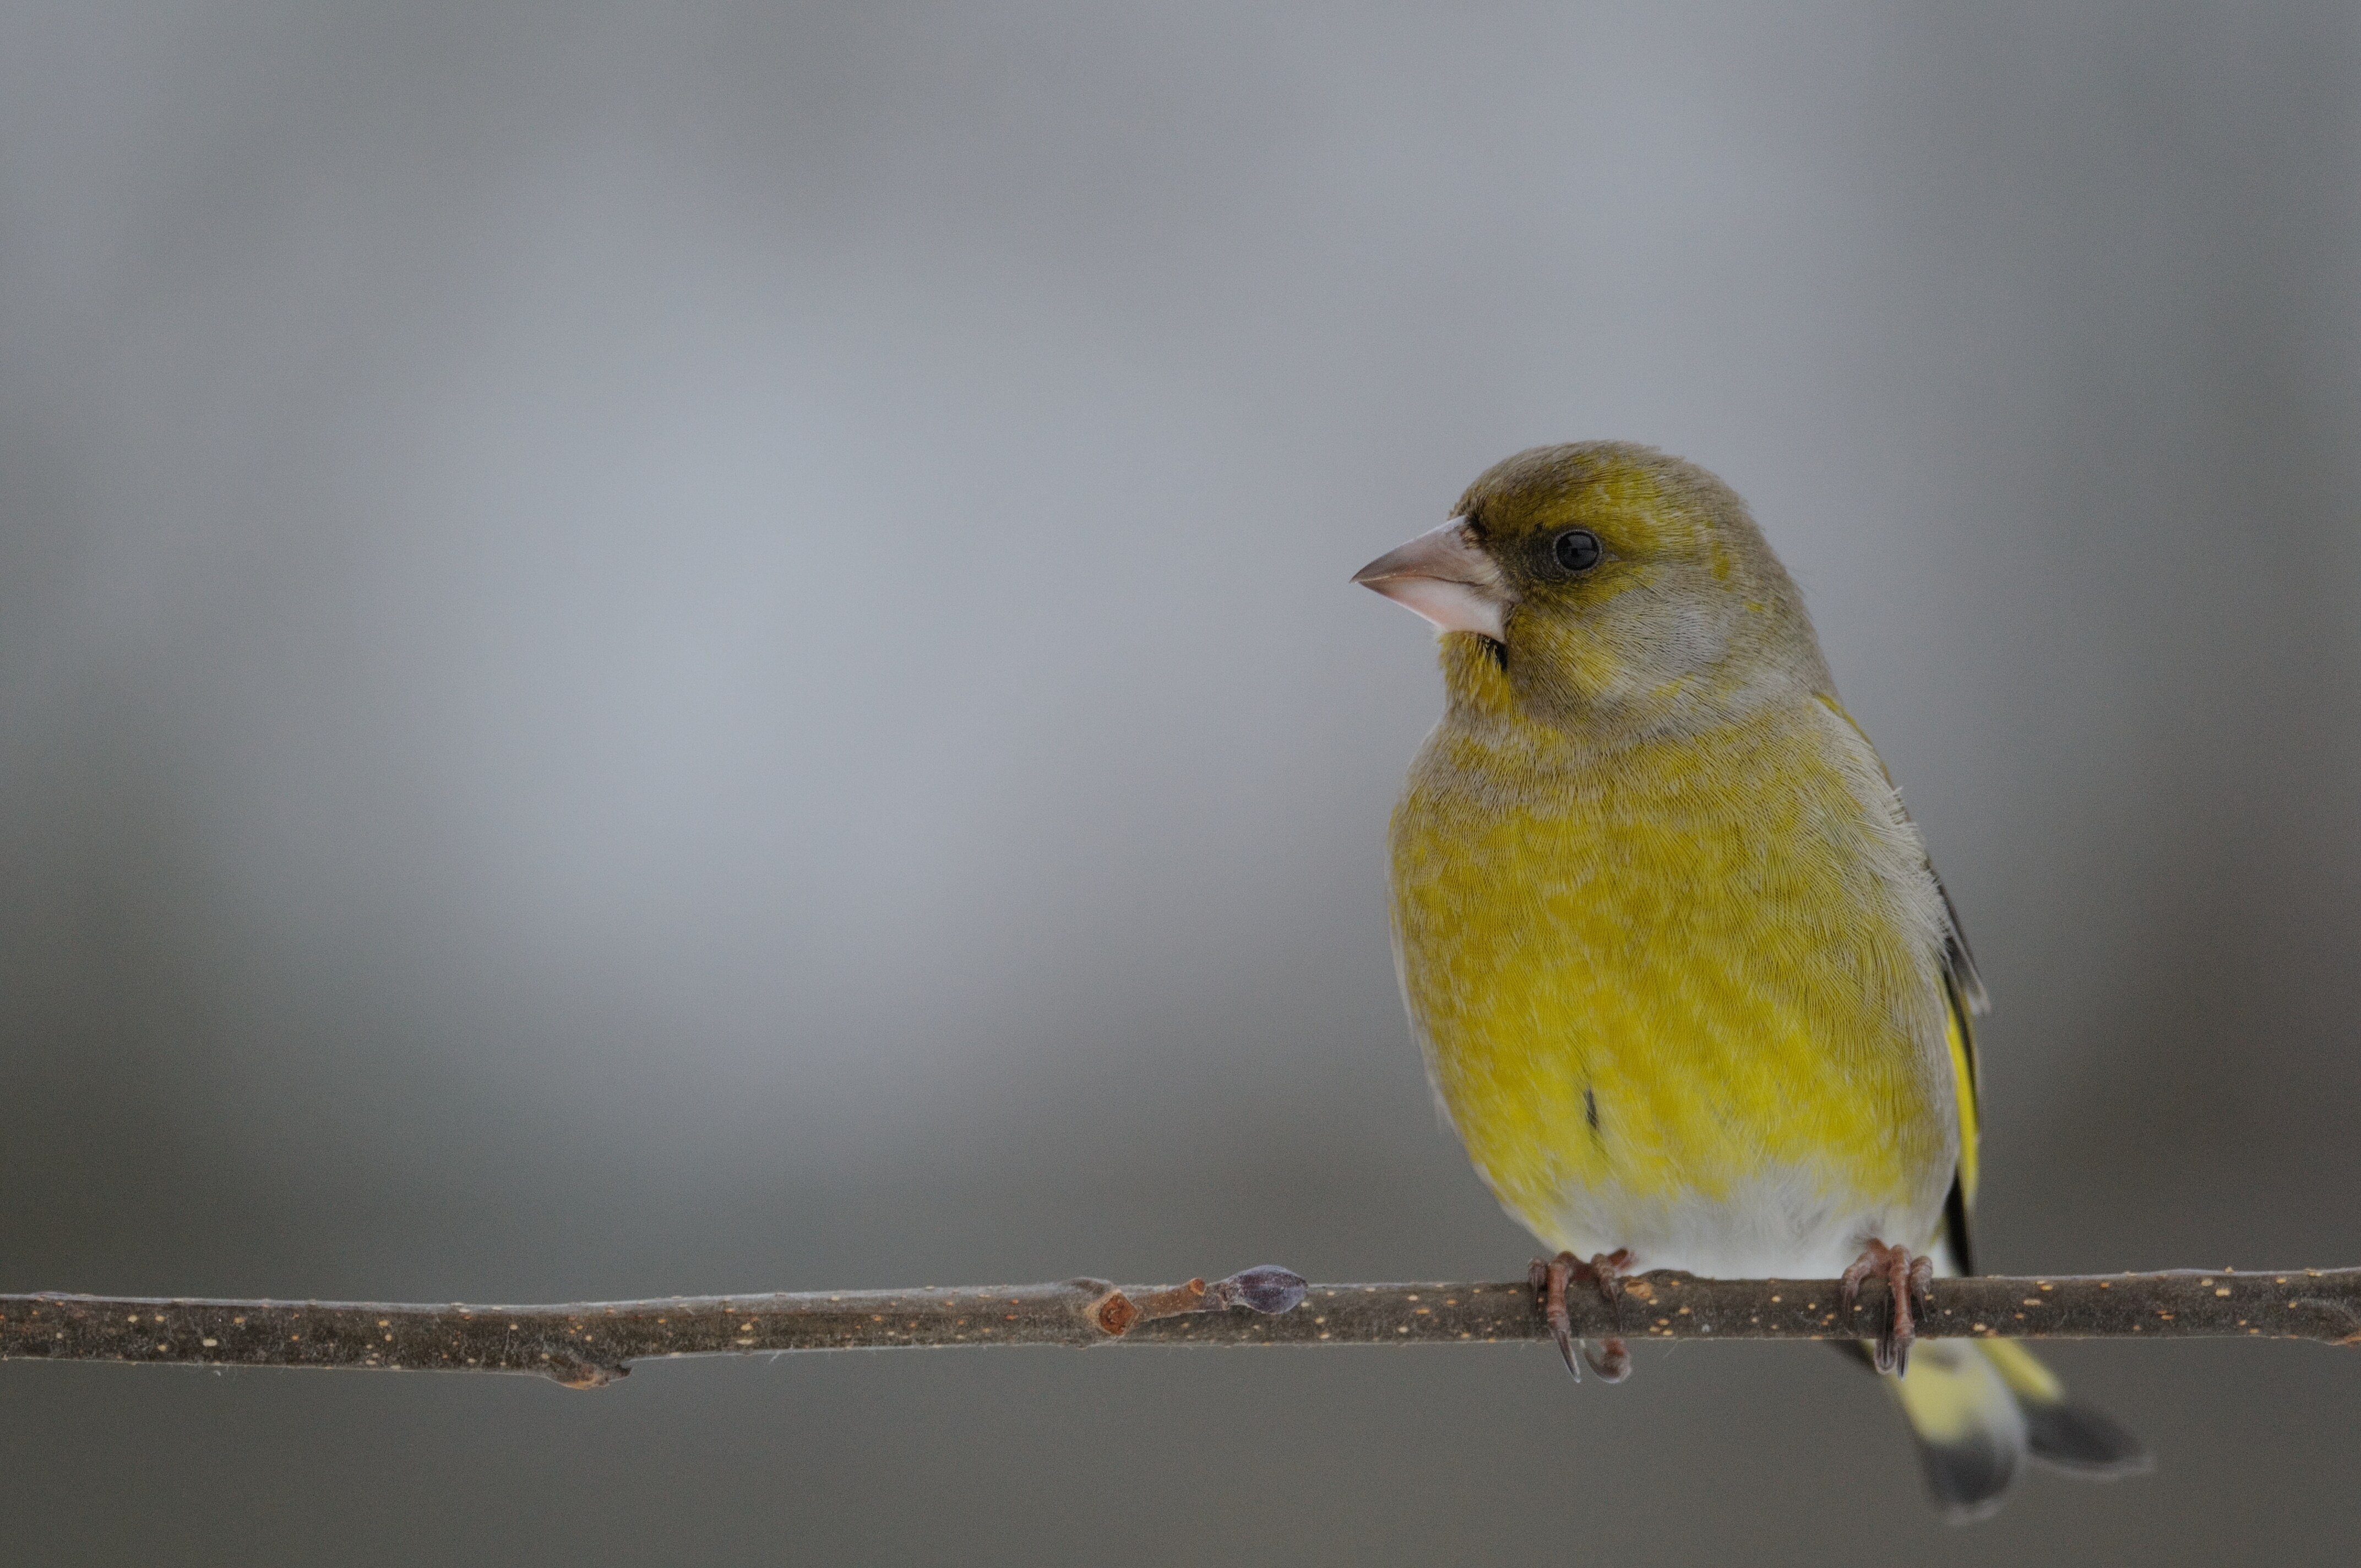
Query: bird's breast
point(1672, 982)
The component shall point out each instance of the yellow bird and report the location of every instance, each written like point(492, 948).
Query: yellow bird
point(1686, 983)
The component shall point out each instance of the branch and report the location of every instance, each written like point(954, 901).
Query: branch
point(588, 1343)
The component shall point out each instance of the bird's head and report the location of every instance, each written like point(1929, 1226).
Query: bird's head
point(1603, 582)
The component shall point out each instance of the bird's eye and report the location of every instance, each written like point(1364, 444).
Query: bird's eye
point(1576, 550)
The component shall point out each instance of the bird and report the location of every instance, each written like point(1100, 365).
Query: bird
point(1686, 983)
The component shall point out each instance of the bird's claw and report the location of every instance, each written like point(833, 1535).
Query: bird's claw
point(1908, 1278)
point(1548, 1277)
point(1613, 1363)
point(1604, 1273)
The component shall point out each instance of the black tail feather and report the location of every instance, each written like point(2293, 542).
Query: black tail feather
point(2069, 1437)
point(1967, 1474)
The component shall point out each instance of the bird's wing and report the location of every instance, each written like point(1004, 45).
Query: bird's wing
point(1963, 998)
point(1963, 995)
point(1958, 963)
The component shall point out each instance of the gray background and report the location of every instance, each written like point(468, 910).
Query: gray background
point(707, 647)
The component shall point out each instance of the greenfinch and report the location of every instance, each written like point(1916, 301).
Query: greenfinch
point(1686, 983)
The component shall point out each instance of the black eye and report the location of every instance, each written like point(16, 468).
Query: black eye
point(1576, 550)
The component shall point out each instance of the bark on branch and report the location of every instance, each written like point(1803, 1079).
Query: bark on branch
point(586, 1344)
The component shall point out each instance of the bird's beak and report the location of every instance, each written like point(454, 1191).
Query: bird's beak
point(1445, 576)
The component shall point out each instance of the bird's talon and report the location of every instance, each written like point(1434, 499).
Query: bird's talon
point(1550, 1279)
point(1613, 1363)
point(1605, 1271)
point(1908, 1278)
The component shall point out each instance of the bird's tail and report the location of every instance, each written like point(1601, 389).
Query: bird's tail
point(1981, 1407)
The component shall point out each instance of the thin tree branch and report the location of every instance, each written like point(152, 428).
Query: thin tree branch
point(587, 1343)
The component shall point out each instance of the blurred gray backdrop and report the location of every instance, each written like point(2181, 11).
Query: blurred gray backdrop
point(693, 647)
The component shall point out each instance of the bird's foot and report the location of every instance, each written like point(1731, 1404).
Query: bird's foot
point(1603, 1273)
point(1907, 1277)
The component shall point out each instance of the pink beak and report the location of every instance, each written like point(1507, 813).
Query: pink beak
point(1445, 576)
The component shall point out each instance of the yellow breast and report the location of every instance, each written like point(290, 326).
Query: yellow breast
point(1678, 989)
